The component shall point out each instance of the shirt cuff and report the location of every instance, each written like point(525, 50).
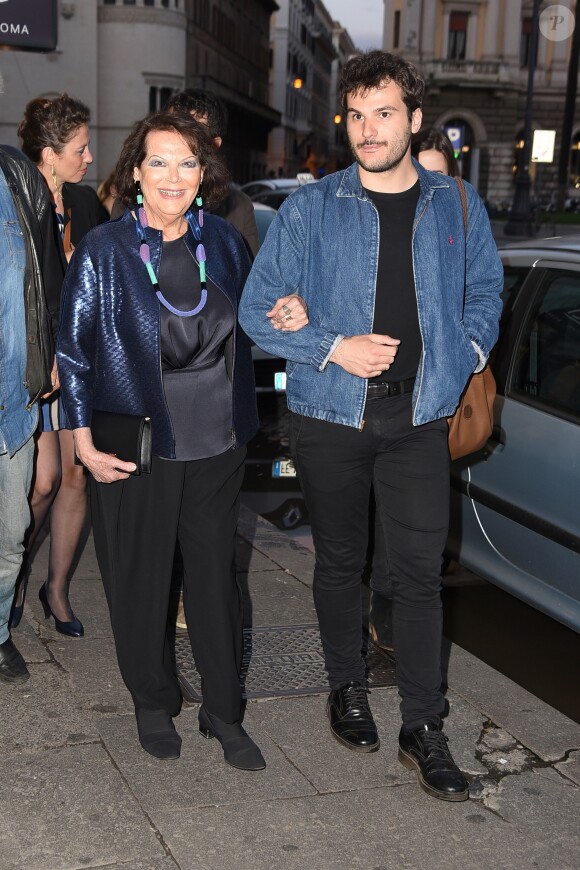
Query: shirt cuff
point(481, 357)
point(333, 347)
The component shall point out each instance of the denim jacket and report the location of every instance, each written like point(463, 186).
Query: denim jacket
point(324, 246)
point(17, 419)
point(108, 346)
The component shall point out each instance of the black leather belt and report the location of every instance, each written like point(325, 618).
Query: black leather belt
point(376, 390)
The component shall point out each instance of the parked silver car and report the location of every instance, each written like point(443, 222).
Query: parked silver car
point(515, 516)
point(273, 191)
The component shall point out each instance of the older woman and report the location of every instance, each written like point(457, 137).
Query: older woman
point(149, 327)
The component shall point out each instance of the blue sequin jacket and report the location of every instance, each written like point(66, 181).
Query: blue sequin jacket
point(108, 345)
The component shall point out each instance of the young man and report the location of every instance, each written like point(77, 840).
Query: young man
point(403, 308)
point(32, 272)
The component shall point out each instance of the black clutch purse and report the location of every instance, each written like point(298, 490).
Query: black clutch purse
point(124, 435)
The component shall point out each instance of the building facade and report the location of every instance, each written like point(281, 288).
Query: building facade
point(122, 59)
point(309, 49)
point(475, 55)
point(228, 52)
point(125, 58)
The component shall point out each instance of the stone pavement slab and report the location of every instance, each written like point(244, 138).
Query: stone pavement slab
point(43, 713)
point(540, 728)
point(276, 545)
point(70, 808)
point(571, 767)
point(541, 800)
point(92, 666)
point(80, 792)
point(389, 828)
point(299, 726)
point(276, 598)
point(200, 777)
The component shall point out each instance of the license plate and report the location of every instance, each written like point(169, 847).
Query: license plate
point(283, 468)
point(280, 381)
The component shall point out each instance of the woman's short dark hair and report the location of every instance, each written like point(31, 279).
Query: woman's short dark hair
point(51, 123)
point(374, 69)
point(432, 139)
point(197, 136)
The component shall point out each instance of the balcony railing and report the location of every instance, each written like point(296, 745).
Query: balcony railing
point(474, 70)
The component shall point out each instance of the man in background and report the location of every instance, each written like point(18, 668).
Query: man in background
point(32, 273)
point(208, 109)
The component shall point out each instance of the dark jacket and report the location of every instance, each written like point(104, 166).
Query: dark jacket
point(83, 209)
point(109, 345)
point(238, 209)
point(44, 266)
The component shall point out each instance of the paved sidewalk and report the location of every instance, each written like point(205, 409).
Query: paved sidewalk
point(78, 791)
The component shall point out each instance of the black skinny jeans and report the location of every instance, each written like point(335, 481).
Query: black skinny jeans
point(409, 469)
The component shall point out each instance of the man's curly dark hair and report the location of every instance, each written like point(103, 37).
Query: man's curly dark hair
point(374, 69)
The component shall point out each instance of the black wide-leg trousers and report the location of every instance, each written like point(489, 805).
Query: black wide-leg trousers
point(408, 466)
point(136, 524)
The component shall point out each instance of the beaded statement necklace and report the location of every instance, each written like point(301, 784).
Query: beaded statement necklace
point(145, 253)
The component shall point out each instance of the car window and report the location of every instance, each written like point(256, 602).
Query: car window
point(252, 189)
point(547, 356)
point(513, 278)
point(273, 198)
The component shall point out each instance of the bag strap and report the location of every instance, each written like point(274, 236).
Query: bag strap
point(463, 197)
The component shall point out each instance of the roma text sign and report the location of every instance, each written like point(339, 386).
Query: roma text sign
point(28, 24)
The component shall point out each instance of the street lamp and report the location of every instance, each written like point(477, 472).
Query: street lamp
point(519, 221)
point(297, 83)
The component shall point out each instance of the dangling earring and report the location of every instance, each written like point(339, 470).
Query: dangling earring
point(200, 250)
point(199, 204)
point(55, 180)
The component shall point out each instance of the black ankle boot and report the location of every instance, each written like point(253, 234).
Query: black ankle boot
point(239, 749)
point(157, 734)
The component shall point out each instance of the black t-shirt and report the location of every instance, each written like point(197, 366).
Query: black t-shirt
point(395, 299)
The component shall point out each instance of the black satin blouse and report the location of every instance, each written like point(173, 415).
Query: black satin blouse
point(197, 387)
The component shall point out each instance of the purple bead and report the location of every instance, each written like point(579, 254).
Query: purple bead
point(143, 217)
point(145, 253)
point(200, 253)
point(200, 217)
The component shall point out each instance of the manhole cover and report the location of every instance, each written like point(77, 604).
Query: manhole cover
point(280, 661)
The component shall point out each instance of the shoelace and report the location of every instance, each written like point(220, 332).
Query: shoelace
point(356, 698)
point(435, 741)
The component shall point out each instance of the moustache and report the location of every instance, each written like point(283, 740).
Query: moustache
point(370, 142)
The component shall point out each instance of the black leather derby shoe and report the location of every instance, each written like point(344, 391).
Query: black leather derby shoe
point(425, 750)
point(351, 720)
point(12, 666)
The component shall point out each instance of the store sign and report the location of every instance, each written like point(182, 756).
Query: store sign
point(543, 146)
point(455, 136)
point(28, 24)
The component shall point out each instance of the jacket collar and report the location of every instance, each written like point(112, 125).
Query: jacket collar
point(350, 184)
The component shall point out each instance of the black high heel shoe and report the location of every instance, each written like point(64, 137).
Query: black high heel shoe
point(239, 749)
point(18, 609)
point(73, 628)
